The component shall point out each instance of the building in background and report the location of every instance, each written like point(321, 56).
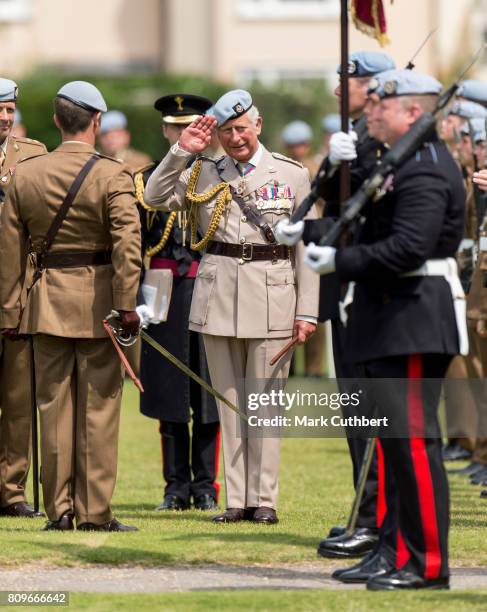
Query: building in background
point(230, 40)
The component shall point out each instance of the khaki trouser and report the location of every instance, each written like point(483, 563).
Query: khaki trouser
point(477, 368)
point(79, 391)
point(460, 405)
point(15, 420)
point(251, 463)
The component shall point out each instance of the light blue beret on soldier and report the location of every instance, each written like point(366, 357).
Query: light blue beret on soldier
point(467, 110)
point(394, 83)
point(113, 120)
point(231, 105)
point(296, 132)
point(368, 63)
point(477, 126)
point(331, 123)
point(473, 90)
point(8, 90)
point(83, 94)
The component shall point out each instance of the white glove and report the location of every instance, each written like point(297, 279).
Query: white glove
point(146, 314)
point(288, 233)
point(342, 147)
point(320, 259)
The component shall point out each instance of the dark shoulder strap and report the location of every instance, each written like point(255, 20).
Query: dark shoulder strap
point(65, 206)
point(249, 211)
point(253, 216)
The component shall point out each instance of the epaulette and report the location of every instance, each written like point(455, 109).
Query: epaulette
point(287, 159)
point(114, 159)
point(29, 141)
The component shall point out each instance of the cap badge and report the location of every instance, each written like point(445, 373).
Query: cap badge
point(179, 101)
point(238, 108)
point(390, 87)
point(373, 84)
point(352, 67)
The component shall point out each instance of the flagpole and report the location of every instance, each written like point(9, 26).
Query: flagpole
point(344, 112)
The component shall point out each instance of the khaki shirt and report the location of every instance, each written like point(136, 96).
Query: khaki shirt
point(255, 299)
point(69, 302)
point(17, 150)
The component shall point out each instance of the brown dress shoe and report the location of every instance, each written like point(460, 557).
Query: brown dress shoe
point(20, 509)
point(65, 523)
point(231, 515)
point(112, 525)
point(265, 515)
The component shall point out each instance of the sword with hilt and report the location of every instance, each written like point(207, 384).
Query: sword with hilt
point(119, 337)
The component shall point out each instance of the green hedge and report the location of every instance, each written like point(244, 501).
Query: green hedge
point(135, 96)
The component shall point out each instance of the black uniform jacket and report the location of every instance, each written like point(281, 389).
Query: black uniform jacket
point(421, 217)
point(169, 393)
point(368, 152)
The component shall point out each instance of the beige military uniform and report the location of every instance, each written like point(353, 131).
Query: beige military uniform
point(79, 376)
point(135, 160)
point(245, 309)
point(477, 358)
point(15, 399)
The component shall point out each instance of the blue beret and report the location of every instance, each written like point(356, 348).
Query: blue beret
point(113, 120)
point(478, 128)
point(232, 105)
point(475, 91)
point(8, 90)
point(368, 63)
point(467, 110)
point(17, 117)
point(83, 94)
point(394, 83)
point(331, 123)
point(296, 132)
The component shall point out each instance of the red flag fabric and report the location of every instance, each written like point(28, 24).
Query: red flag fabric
point(369, 17)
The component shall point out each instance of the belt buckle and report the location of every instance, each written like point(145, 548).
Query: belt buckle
point(247, 255)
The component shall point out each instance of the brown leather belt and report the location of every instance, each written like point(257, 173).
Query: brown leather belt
point(249, 252)
point(75, 260)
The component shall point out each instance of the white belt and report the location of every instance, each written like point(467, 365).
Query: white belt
point(447, 268)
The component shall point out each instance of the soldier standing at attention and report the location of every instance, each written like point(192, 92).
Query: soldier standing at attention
point(407, 321)
point(251, 295)
point(15, 398)
point(364, 156)
point(189, 463)
point(78, 272)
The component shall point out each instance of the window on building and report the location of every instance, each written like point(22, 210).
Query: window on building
point(287, 9)
point(15, 10)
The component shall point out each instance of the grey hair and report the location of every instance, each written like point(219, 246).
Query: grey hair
point(253, 114)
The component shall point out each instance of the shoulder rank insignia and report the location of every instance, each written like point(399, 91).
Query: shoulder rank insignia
point(287, 159)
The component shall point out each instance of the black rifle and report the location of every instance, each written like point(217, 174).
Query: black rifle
point(419, 133)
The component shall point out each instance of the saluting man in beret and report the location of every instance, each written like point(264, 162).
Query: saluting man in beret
point(251, 295)
point(93, 266)
point(15, 399)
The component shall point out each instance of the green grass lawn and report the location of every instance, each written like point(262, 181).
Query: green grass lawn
point(315, 493)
